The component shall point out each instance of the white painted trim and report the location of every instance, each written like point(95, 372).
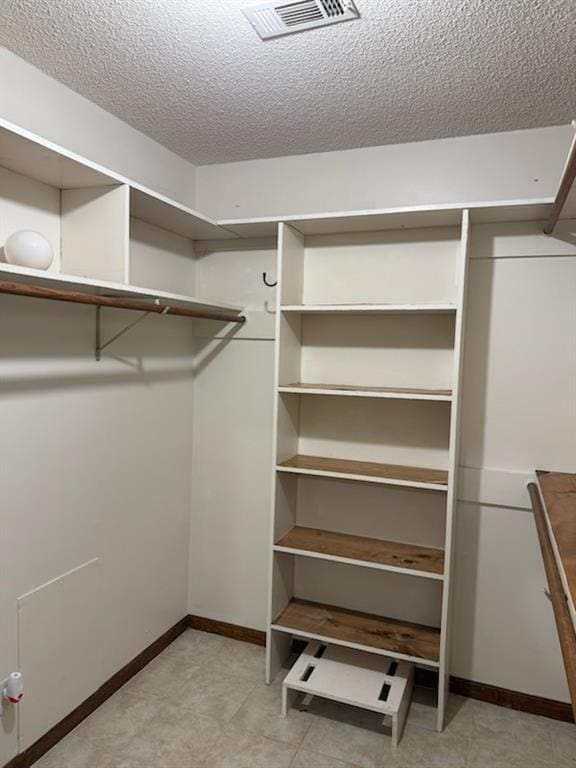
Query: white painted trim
point(495, 487)
point(56, 579)
point(454, 453)
point(275, 648)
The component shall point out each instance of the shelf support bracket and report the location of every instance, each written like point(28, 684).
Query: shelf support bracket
point(99, 346)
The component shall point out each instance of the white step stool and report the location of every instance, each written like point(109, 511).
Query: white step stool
point(361, 679)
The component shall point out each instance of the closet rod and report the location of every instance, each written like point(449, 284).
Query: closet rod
point(566, 632)
point(568, 176)
point(22, 289)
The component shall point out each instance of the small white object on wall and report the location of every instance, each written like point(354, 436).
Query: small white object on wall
point(28, 248)
point(12, 690)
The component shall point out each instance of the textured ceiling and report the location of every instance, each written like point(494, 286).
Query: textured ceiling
point(193, 75)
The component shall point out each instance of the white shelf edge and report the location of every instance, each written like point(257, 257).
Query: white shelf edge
point(363, 393)
point(357, 646)
point(359, 563)
point(363, 478)
point(484, 210)
point(103, 287)
point(367, 308)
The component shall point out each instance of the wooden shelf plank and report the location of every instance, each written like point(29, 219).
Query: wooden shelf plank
point(367, 471)
point(373, 553)
point(558, 490)
point(349, 390)
point(360, 309)
point(364, 631)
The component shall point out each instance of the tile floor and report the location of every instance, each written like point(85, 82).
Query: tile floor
point(202, 704)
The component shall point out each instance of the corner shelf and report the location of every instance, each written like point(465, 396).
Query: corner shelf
point(394, 556)
point(348, 390)
point(364, 631)
point(367, 471)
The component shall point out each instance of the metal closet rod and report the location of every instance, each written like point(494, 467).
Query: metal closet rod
point(568, 176)
point(22, 289)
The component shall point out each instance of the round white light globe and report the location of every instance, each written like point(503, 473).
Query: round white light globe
point(27, 248)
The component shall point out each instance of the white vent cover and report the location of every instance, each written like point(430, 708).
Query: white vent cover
point(276, 18)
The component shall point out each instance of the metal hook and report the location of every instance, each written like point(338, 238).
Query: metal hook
point(270, 285)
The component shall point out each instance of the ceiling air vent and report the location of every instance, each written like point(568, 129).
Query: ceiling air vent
point(273, 19)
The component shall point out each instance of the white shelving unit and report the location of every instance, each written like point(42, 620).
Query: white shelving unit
point(110, 237)
point(368, 365)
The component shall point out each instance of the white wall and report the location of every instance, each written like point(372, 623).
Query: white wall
point(33, 100)
point(499, 166)
point(95, 458)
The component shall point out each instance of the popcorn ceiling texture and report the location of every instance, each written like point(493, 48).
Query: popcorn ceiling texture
point(193, 75)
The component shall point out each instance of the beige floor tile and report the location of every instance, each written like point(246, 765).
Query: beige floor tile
point(261, 713)
point(201, 704)
point(238, 748)
point(500, 734)
point(423, 748)
point(209, 693)
point(117, 721)
point(423, 709)
point(242, 660)
point(196, 648)
point(345, 742)
point(499, 750)
point(563, 737)
point(306, 759)
point(175, 738)
point(76, 751)
point(161, 680)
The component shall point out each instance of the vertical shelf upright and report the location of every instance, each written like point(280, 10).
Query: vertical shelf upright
point(368, 362)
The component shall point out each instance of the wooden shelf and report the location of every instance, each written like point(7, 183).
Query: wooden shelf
point(348, 390)
point(364, 631)
point(101, 287)
point(558, 491)
point(376, 309)
point(367, 471)
point(373, 553)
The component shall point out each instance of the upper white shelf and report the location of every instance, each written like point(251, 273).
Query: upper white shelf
point(102, 287)
point(31, 156)
point(361, 309)
point(170, 215)
point(398, 218)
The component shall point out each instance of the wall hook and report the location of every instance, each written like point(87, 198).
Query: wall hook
point(270, 285)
